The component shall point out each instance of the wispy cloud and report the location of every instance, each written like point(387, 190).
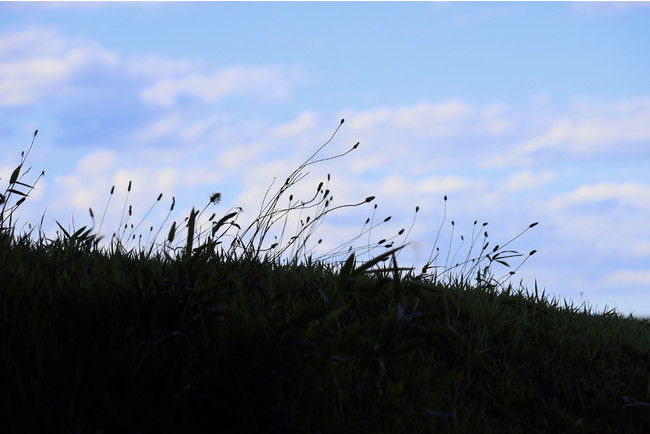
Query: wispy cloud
point(266, 82)
point(628, 194)
point(597, 133)
point(36, 64)
point(529, 180)
point(629, 277)
point(586, 130)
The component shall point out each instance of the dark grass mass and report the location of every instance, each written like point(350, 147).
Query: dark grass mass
point(222, 327)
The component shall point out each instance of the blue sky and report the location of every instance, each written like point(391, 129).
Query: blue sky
point(518, 112)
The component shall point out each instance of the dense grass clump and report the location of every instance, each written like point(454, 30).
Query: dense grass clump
point(228, 330)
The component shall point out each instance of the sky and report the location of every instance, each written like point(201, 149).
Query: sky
point(516, 112)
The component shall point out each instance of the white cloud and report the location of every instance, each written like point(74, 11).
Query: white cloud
point(449, 184)
point(632, 194)
point(589, 130)
point(20, 82)
point(97, 162)
point(496, 119)
point(305, 121)
point(37, 63)
point(430, 137)
point(196, 130)
point(371, 161)
point(89, 178)
point(629, 277)
point(267, 81)
point(161, 128)
point(600, 225)
point(529, 180)
point(422, 120)
point(166, 179)
point(155, 67)
point(443, 118)
point(237, 158)
point(38, 41)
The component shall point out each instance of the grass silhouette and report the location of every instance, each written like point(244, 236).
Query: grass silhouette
point(227, 327)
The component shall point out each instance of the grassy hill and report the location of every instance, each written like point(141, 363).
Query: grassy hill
point(202, 336)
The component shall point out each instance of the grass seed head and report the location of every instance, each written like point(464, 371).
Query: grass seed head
point(215, 198)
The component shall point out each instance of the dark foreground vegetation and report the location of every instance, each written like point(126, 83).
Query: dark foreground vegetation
point(201, 337)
